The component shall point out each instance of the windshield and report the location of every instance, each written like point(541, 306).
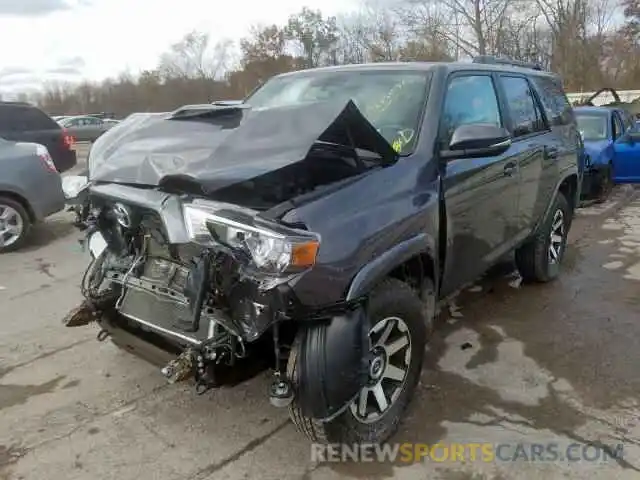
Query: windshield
point(392, 101)
point(592, 127)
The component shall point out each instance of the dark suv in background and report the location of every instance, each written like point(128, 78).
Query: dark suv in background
point(23, 122)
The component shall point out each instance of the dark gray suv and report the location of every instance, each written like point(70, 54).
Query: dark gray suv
point(316, 224)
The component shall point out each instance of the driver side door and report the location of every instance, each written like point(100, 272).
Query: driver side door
point(480, 194)
point(626, 162)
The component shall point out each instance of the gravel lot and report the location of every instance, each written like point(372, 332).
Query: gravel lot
point(510, 363)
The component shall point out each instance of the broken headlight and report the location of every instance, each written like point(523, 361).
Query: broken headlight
point(273, 248)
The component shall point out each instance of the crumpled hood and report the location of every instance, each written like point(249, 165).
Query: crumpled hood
point(219, 145)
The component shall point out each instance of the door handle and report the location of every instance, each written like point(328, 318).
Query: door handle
point(509, 169)
point(551, 152)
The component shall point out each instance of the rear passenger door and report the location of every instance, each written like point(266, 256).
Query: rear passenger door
point(565, 136)
point(480, 194)
point(534, 149)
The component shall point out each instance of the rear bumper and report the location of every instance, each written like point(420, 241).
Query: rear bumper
point(49, 198)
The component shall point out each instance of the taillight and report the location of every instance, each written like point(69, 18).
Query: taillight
point(45, 158)
point(67, 138)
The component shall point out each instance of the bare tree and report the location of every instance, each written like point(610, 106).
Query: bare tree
point(474, 27)
point(578, 39)
point(316, 35)
point(194, 57)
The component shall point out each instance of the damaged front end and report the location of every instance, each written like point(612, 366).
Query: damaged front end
point(207, 277)
point(183, 270)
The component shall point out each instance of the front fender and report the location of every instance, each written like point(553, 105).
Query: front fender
point(332, 363)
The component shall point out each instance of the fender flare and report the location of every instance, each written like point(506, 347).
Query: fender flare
point(384, 264)
point(576, 201)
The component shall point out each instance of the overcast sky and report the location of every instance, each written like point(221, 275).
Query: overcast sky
point(74, 39)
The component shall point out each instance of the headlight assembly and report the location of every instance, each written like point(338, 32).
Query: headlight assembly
point(273, 248)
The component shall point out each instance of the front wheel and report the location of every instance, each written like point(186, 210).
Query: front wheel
point(398, 331)
point(539, 259)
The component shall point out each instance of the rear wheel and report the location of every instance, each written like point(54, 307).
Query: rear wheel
point(14, 225)
point(398, 331)
point(539, 259)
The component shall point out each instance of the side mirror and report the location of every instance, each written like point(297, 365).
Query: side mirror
point(477, 140)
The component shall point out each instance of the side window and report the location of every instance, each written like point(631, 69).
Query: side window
point(618, 127)
point(469, 99)
point(19, 118)
point(7, 115)
point(35, 119)
point(523, 107)
point(626, 120)
point(554, 100)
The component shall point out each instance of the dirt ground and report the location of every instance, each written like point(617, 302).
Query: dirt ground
point(510, 363)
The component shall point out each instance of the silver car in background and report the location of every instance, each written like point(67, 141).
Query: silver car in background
point(86, 128)
point(30, 191)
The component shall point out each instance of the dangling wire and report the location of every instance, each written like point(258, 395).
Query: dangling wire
point(136, 262)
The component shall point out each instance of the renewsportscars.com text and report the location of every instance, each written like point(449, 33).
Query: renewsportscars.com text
point(466, 452)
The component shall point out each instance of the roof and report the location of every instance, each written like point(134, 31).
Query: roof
point(604, 109)
point(70, 117)
point(604, 97)
point(596, 110)
point(15, 104)
point(419, 66)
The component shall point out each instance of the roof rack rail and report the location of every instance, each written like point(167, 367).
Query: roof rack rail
point(16, 103)
point(492, 60)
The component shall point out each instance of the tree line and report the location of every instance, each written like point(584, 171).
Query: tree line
point(590, 43)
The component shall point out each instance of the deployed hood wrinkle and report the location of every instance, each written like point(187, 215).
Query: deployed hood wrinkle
point(209, 148)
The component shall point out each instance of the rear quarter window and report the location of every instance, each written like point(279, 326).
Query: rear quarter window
point(16, 118)
point(558, 109)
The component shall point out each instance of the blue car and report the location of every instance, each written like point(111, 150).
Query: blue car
point(611, 149)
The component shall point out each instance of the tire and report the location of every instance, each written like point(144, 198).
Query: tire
point(534, 259)
point(19, 218)
point(605, 184)
point(391, 298)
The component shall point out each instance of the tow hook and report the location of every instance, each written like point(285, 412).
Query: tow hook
point(80, 316)
point(179, 368)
